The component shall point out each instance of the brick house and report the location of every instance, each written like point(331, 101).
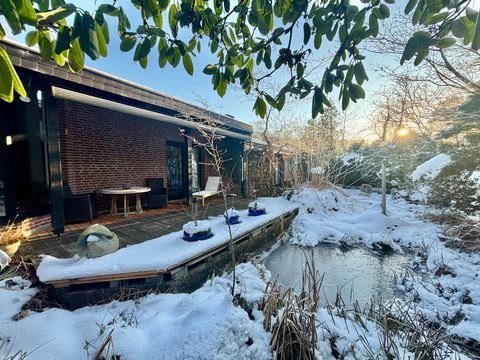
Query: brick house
point(94, 131)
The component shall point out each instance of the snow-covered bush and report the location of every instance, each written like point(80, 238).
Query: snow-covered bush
point(363, 166)
point(458, 185)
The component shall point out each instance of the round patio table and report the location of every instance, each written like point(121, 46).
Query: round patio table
point(134, 190)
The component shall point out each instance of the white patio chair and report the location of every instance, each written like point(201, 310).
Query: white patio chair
point(211, 189)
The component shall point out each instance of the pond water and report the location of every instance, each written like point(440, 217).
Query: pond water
point(359, 273)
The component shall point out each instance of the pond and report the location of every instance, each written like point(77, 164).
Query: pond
point(358, 272)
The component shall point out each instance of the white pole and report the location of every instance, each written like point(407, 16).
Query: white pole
point(384, 189)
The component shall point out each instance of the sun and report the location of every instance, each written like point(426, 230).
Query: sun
point(403, 132)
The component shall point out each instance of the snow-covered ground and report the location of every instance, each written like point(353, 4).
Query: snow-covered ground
point(356, 218)
point(207, 325)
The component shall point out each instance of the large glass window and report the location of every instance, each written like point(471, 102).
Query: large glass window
point(175, 172)
point(24, 184)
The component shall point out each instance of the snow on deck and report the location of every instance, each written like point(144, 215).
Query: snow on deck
point(161, 253)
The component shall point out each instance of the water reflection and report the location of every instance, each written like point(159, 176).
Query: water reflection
point(358, 272)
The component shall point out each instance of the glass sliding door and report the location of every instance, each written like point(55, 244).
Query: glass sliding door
point(24, 182)
point(176, 171)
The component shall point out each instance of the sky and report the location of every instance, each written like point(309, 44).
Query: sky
point(196, 88)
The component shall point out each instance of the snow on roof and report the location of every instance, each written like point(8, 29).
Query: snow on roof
point(431, 168)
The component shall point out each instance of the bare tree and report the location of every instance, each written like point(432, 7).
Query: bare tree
point(413, 105)
point(456, 67)
point(207, 136)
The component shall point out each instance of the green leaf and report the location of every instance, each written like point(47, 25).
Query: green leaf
point(360, 73)
point(31, 38)
point(88, 37)
point(317, 103)
point(11, 15)
point(143, 62)
point(471, 14)
point(385, 11)
point(57, 14)
point(422, 55)
point(128, 42)
point(342, 34)
point(26, 12)
point(175, 58)
point(63, 39)
point(106, 33)
point(58, 58)
point(317, 41)
point(410, 6)
point(162, 60)
point(476, 36)
point(163, 4)
point(300, 70)
point(226, 5)
point(356, 91)
point(409, 50)
point(45, 46)
point(459, 29)
point(345, 98)
point(325, 100)
point(6, 77)
point(445, 43)
point(418, 13)
point(57, 3)
point(222, 87)
point(210, 69)
point(187, 64)
point(307, 32)
point(108, 9)
point(77, 26)
point(280, 102)
point(102, 44)
point(171, 18)
point(373, 23)
point(2, 31)
point(271, 101)
point(145, 47)
point(260, 107)
point(76, 57)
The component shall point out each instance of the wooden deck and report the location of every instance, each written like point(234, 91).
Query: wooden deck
point(132, 230)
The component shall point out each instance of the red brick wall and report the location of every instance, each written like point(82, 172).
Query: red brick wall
point(32, 225)
point(102, 148)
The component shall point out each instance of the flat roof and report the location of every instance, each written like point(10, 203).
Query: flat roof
point(25, 57)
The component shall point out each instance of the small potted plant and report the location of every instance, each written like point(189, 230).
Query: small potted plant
point(256, 208)
point(197, 230)
point(11, 237)
point(232, 216)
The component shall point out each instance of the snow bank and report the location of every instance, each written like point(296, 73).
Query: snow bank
point(331, 216)
point(160, 253)
point(202, 325)
point(431, 168)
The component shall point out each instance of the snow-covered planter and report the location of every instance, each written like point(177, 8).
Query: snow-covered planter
point(197, 230)
point(256, 208)
point(232, 216)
